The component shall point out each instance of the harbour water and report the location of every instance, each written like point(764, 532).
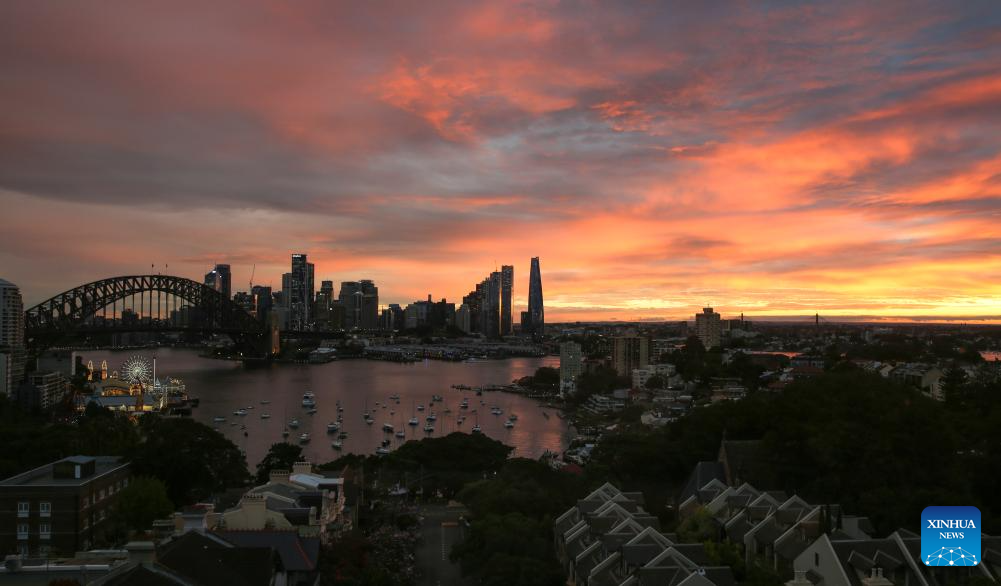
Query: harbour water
point(226, 386)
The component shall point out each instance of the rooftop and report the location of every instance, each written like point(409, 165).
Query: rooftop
point(44, 475)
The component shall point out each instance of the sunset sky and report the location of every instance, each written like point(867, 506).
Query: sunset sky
point(768, 158)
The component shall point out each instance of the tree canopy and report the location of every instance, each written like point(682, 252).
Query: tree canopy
point(280, 456)
point(140, 503)
point(192, 459)
point(510, 540)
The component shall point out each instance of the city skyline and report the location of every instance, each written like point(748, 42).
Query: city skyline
point(836, 159)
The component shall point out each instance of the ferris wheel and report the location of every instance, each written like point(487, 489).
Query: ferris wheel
point(137, 370)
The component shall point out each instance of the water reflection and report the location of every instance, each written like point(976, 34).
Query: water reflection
point(359, 385)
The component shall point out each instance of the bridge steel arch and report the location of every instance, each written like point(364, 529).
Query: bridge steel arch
point(69, 311)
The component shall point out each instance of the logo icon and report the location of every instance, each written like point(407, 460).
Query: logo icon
point(950, 536)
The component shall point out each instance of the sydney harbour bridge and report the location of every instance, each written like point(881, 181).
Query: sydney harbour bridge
point(145, 303)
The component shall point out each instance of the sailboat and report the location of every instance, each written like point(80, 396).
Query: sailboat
point(413, 420)
point(400, 434)
point(368, 414)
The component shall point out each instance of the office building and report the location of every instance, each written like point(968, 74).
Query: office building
point(336, 319)
point(397, 313)
point(708, 328)
point(387, 320)
point(12, 351)
point(220, 279)
point(492, 306)
point(350, 297)
point(225, 280)
point(361, 304)
point(213, 280)
point(60, 508)
point(571, 366)
point(286, 292)
point(298, 288)
point(369, 305)
point(326, 296)
point(507, 288)
point(536, 324)
point(630, 353)
point(322, 305)
point(486, 304)
point(262, 300)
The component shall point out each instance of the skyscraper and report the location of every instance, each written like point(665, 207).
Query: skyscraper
point(262, 301)
point(369, 305)
point(507, 286)
point(321, 307)
point(361, 304)
point(299, 292)
point(327, 288)
point(708, 327)
point(536, 312)
point(221, 279)
point(493, 306)
point(213, 280)
point(12, 352)
point(350, 297)
point(225, 280)
point(489, 304)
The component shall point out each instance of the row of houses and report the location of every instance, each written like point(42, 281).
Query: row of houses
point(818, 545)
point(609, 539)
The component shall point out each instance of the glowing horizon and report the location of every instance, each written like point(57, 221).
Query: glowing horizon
point(776, 160)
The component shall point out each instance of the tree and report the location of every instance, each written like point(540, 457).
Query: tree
point(698, 528)
point(505, 547)
point(140, 503)
point(509, 549)
point(547, 376)
point(600, 381)
point(727, 554)
point(655, 382)
point(449, 462)
point(191, 458)
point(280, 456)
